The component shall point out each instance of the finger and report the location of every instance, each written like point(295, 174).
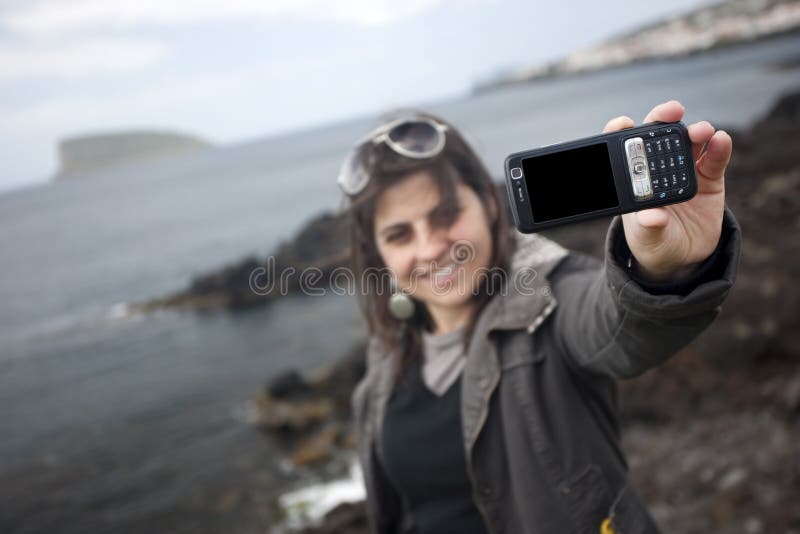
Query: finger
point(700, 133)
point(618, 123)
point(712, 164)
point(671, 111)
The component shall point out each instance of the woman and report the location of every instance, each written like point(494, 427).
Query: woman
point(489, 402)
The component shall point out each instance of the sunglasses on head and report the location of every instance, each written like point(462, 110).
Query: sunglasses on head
point(412, 137)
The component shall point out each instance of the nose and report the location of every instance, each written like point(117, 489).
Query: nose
point(432, 247)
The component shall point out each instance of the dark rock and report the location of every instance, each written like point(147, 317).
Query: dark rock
point(319, 447)
point(338, 380)
point(312, 417)
point(292, 416)
point(289, 384)
point(787, 108)
point(320, 246)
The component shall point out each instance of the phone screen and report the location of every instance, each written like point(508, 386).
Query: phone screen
point(570, 182)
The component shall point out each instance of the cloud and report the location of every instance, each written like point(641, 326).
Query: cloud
point(77, 59)
point(68, 16)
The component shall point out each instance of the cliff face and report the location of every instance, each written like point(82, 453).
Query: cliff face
point(100, 151)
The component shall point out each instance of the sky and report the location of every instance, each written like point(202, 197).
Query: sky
point(230, 71)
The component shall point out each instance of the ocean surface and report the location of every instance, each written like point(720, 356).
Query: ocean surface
point(123, 423)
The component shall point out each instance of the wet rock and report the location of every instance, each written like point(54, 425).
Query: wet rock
point(289, 384)
point(292, 402)
point(318, 447)
point(336, 381)
point(311, 416)
point(291, 416)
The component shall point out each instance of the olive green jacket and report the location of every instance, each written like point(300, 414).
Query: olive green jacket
point(539, 395)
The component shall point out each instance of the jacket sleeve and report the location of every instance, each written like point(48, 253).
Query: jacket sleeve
point(610, 322)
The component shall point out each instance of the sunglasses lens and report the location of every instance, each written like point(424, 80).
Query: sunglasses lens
point(417, 137)
point(352, 178)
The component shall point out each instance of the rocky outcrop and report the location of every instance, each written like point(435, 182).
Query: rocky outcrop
point(89, 153)
point(311, 416)
point(316, 250)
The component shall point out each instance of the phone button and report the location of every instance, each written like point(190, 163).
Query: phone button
point(516, 173)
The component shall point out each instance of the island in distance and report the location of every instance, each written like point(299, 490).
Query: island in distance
point(99, 151)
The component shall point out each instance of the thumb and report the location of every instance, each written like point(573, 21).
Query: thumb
point(653, 219)
point(645, 228)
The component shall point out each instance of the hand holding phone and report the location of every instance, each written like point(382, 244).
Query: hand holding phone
point(667, 235)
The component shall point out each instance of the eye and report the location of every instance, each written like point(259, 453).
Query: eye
point(445, 215)
point(396, 236)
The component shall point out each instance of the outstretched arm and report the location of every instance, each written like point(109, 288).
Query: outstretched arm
point(666, 272)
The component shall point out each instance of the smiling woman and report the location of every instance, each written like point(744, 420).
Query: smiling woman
point(410, 214)
point(486, 408)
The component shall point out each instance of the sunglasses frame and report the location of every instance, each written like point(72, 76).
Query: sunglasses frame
point(382, 134)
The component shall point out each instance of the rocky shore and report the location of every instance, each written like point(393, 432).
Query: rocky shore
point(712, 436)
point(317, 249)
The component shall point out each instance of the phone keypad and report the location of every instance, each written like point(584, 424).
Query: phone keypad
point(666, 164)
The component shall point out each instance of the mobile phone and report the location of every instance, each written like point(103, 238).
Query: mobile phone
point(618, 172)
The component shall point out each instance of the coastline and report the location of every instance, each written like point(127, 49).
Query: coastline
point(175, 445)
point(725, 25)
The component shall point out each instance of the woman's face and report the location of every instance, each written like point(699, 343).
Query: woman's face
point(436, 253)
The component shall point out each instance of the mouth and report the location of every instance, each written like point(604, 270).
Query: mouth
point(443, 274)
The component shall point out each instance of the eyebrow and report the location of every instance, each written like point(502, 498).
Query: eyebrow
point(394, 226)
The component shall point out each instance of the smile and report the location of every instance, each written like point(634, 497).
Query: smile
point(444, 274)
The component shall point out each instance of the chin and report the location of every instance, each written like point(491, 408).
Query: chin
point(453, 299)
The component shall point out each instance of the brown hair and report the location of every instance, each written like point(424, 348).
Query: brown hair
point(456, 163)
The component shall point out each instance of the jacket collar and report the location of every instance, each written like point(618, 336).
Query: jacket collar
point(526, 294)
point(524, 304)
point(527, 291)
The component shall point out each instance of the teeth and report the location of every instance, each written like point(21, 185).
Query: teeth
point(444, 270)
